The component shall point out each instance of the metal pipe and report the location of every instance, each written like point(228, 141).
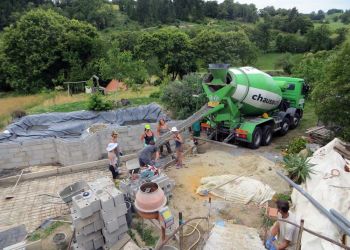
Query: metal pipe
point(317, 234)
point(177, 229)
point(314, 202)
point(340, 217)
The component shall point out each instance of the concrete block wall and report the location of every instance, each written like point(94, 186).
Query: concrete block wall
point(99, 216)
point(27, 153)
point(87, 148)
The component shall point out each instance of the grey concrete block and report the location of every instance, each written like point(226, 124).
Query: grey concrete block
point(88, 229)
point(115, 213)
point(86, 206)
point(107, 202)
point(98, 243)
point(98, 225)
point(82, 239)
point(115, 224)
point(79, 223)
point(88, 245)
point(117, 195)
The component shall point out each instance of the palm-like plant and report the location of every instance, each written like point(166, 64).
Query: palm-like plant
point(298, 167)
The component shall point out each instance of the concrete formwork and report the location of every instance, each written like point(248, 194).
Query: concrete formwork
point(87, 148)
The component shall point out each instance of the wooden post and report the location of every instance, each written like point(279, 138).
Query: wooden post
point(181, 231)
point(301, 229)
point(68, 90)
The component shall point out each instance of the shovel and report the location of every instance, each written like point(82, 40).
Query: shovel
point(205, 192)
point(10, 196)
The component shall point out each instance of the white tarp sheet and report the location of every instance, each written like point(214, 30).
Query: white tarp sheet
point(242, 190)
point(233, 237)
point(329, 196)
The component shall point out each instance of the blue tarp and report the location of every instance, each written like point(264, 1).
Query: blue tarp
point(73, 124)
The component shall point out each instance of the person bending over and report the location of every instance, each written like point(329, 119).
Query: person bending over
point(286, 233)
point(148, 154)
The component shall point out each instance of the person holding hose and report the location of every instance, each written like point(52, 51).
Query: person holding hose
point(162, 129)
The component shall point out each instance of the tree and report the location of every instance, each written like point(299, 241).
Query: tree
point(312, 67)
point(224, 47)
point(261, 35)
point(43, 48)
point(120, 65)
point(99, 13)
point(291, 43)
point(319, 38)
point(345, 17)
point(178, 96)
point(332, 94)
point(171, 47)
point(11, 9)
point(211, 9)
point(317, 16)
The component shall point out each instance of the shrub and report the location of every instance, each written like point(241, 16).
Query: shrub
point(17, 114)
point(298, 167)
point(296, 145)
point(178, 96)
point(155, 94)
point(98, 103)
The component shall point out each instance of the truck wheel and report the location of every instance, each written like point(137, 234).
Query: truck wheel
point(294, 122)
point(256, 138)
point(266, 135)
point(284, 126)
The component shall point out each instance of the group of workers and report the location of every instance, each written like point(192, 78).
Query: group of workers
point(150, 153)
point(287, 233)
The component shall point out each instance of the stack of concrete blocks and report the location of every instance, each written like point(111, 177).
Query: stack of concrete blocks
point(99, 219)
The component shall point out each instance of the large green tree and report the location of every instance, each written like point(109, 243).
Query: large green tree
point(332, 94)
point(121, 66)
point(43, 48)
point(224, 47)
point(319, 38)
point(171, 47)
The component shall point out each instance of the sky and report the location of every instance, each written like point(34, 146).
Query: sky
point(304, 6)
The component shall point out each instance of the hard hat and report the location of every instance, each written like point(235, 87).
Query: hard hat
point(174, 129)
point(111, 146)
point(147, 126)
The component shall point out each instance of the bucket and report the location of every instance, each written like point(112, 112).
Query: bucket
point(129, 213)
point(60, 240)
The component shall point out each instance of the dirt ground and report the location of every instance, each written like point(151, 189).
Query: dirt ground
point(219, 161)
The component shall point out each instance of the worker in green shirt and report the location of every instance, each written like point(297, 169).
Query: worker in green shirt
point(196, 131)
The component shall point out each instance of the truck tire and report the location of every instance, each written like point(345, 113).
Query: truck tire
point(294, 121)
point(266, 135)
point(284, 126)
point(256, 138)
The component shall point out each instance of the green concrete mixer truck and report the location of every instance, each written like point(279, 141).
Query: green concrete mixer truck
point(248, 105)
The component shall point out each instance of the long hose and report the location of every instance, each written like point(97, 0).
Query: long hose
point(194, 229)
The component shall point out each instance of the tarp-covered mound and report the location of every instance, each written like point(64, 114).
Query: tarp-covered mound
point(331, 192)
point(73, 124)
point(241, 190)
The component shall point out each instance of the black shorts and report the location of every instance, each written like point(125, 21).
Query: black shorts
point(143, 163)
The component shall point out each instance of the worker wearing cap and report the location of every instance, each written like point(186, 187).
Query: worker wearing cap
point(178, 146)
point(148, 154)
point(287, 233)
point(147, 135)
